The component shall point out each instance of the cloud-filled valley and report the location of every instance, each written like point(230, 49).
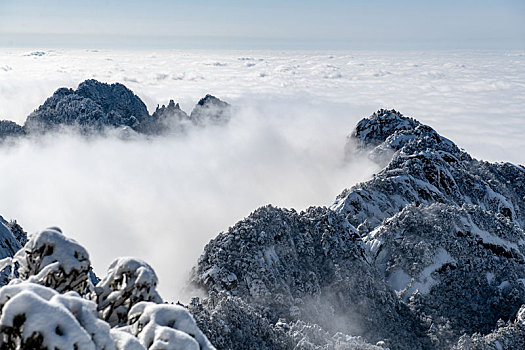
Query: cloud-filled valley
point(162, 199)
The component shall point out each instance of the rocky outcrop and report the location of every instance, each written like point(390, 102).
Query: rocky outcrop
point(12, 238)
point(424, 168)
point(310, 267)
point(167, 119)
point(459, 269)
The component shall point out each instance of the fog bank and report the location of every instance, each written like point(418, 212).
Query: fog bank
point(162, 199)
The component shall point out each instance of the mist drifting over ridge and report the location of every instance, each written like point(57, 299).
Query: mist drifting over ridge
point(481, 88)
point(284, 146)
point(161, 199)
point(308, 175)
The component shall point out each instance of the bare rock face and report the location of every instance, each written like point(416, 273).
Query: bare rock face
point(12, 238)
point(17, 231)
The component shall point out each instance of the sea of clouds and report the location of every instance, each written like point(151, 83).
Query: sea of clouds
point(162, 199)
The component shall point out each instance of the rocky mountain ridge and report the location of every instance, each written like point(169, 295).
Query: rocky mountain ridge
point(95, 107)
point(427, 252)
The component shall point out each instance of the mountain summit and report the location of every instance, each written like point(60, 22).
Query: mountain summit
point(95, 107)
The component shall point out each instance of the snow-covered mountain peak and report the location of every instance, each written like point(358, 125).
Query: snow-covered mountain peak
point(422, 167)
point(96, 107)
point(375, 129)
point(387, 131)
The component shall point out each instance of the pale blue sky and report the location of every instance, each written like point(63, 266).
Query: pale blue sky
point(329, 24)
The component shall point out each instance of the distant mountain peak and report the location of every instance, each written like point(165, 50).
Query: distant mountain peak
point(95, 106)
point(91, 107)
point(212, 110)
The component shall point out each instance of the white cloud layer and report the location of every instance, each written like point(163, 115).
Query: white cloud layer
point(163, 199)
point(474, 97)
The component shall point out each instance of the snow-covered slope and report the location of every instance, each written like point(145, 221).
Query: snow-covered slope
point(308, 266)
point(425, 168)
point(431, 249)
point(51, 302)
